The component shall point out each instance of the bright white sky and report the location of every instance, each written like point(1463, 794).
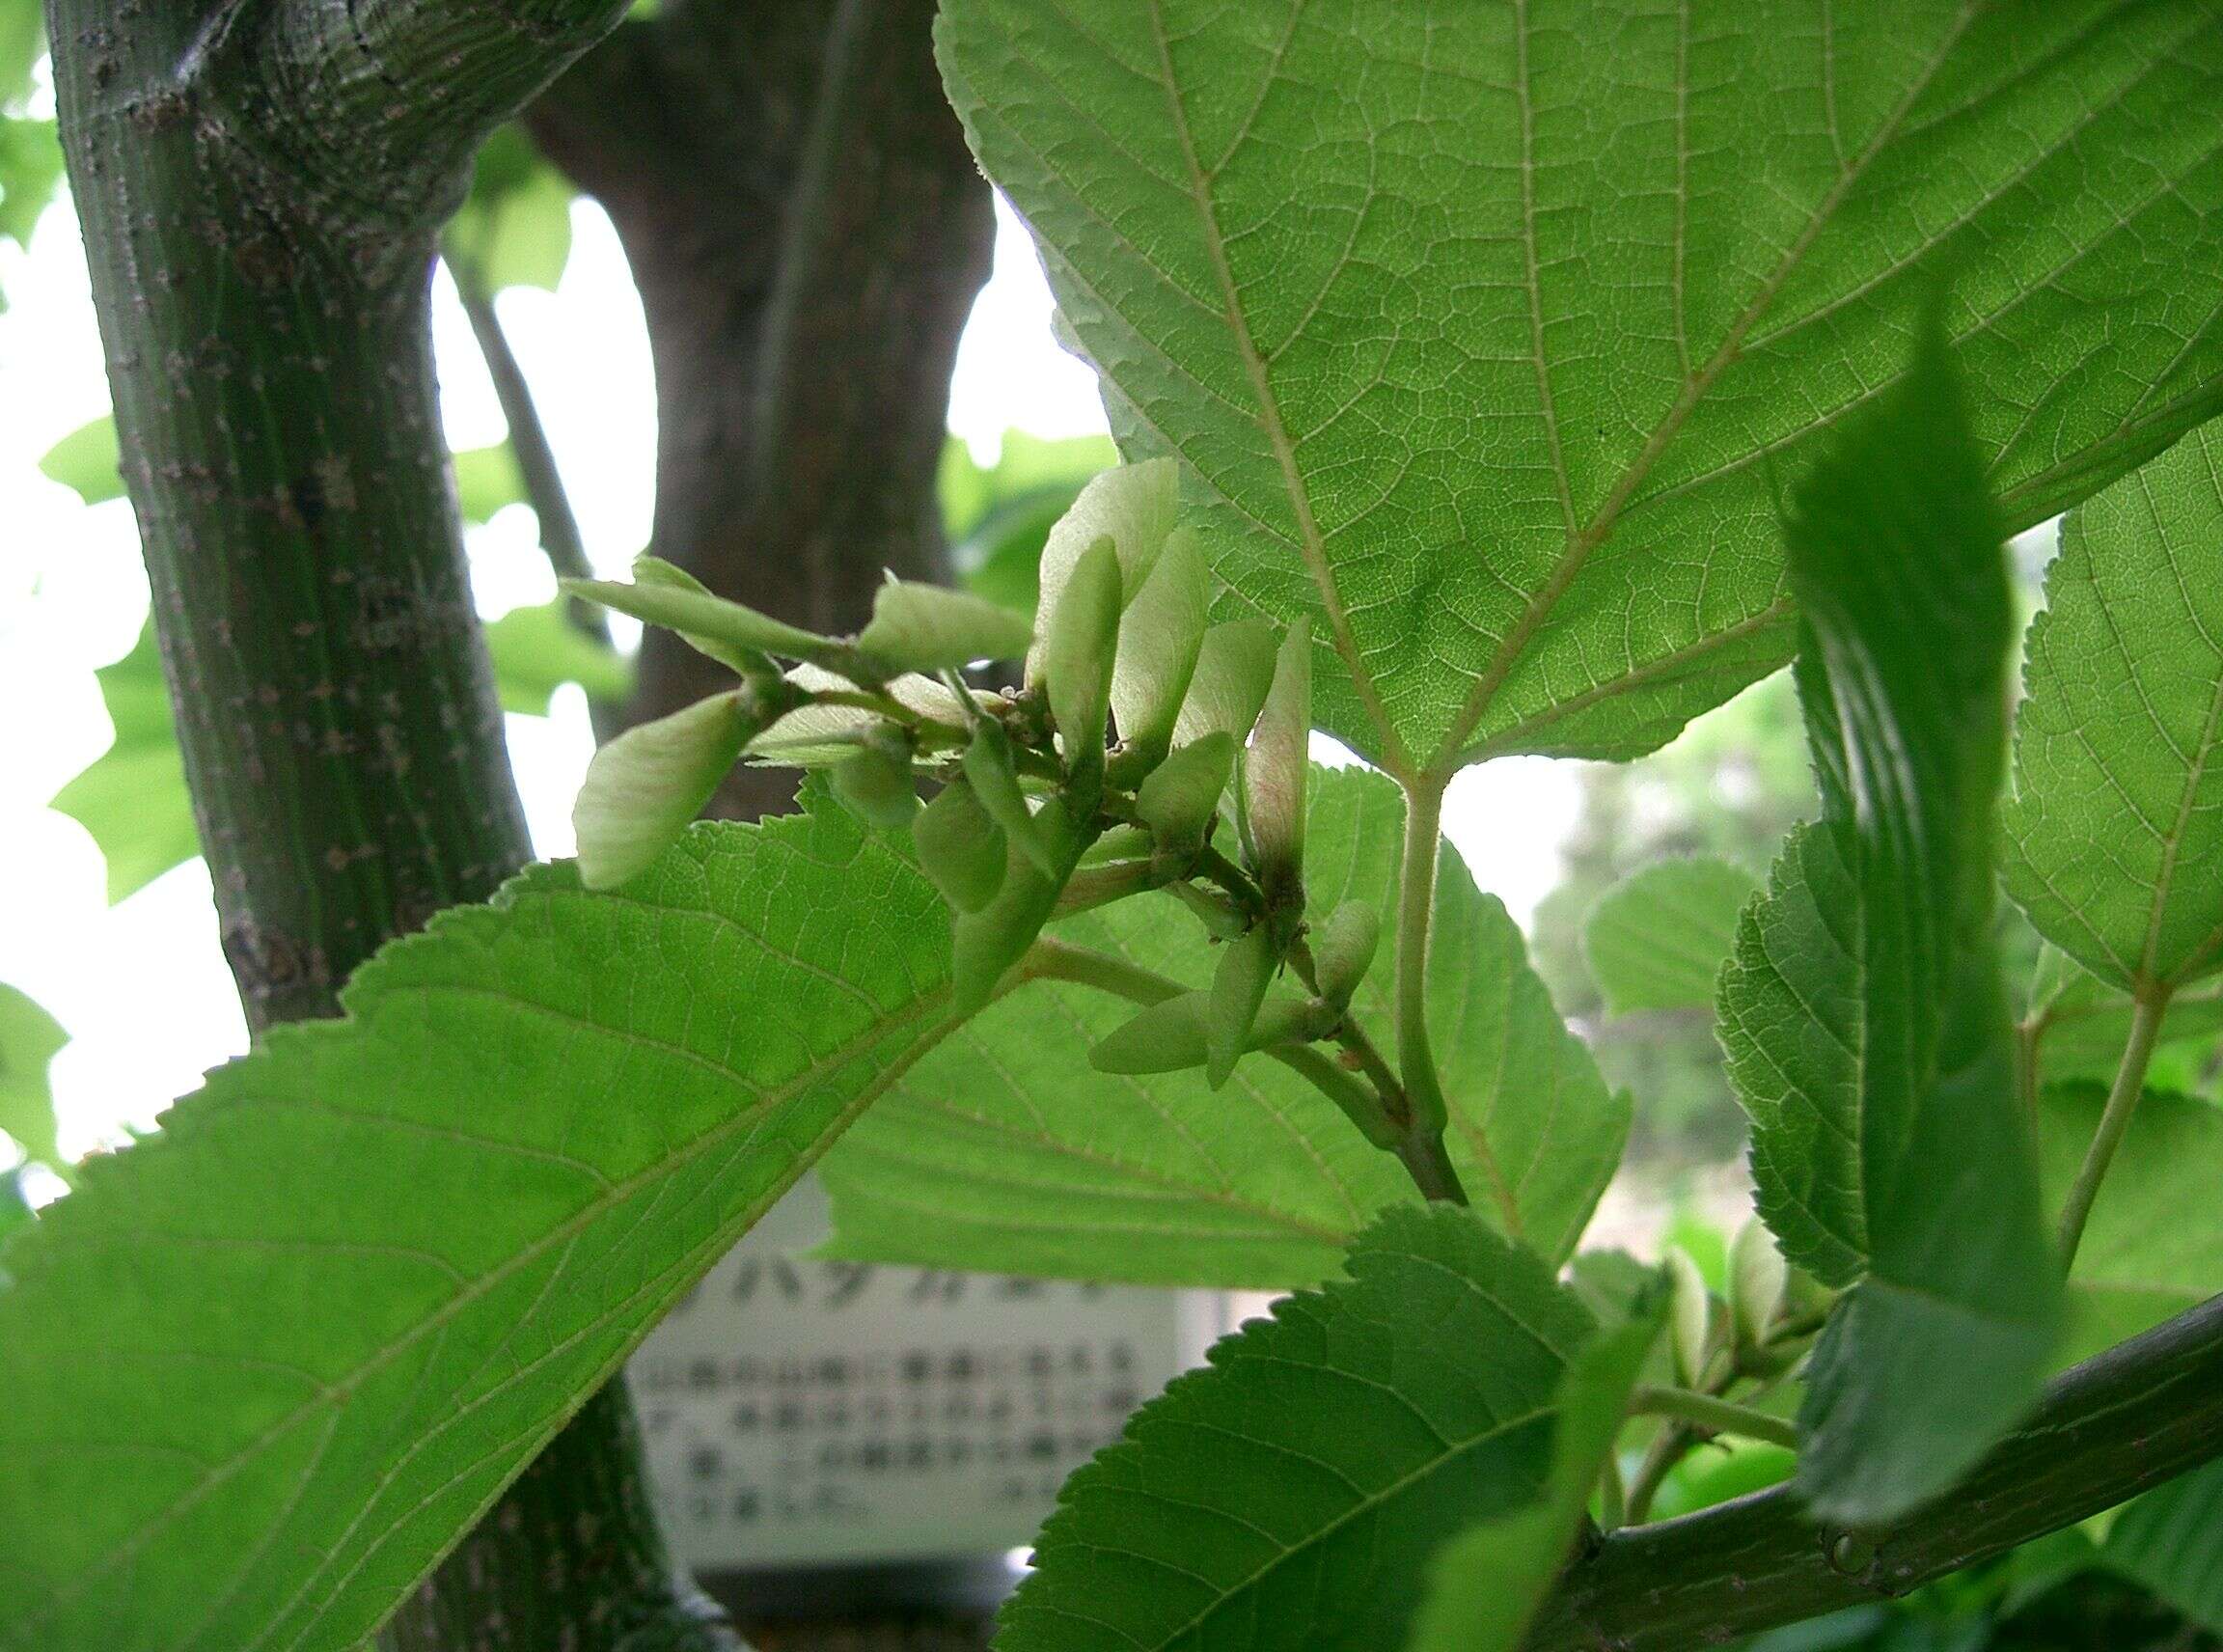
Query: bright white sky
point(142, 986)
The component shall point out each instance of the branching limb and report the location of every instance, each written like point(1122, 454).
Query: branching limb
point(1714, 1415)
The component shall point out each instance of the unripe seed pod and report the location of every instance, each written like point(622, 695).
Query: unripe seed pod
point(1182, 795)
point(995, 784)
point(961, 850)
point(874, 784)
point(1690, 1314)
point(1239, 983)
point(1159, 641)
point(1273, 777)
point(989, 942)
point(1234, 669)
point(1758, 1278)
point(925, 628)
point(1077, 665)
point(1170, 1037)
point(709, 624)
point(643, 788)
point(1343, 950)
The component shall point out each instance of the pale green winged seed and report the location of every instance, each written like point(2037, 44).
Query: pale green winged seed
point(1758, 1278)
point(1234, 669)
point(876, 784)
point(656, 572)
point(1239, 983)
point(925, 628)
point(1159, 641)
point(643, 788)
point(1343, 950)
point(1170, 1038)
point(818, 736)
point(1130, 504)
point(695, 613)
point(960, 847)
point(1691, 1317)
point(1273, 777)
point(1179, 799)
point(1077, 663)
point(990, 941)
point(995, 784)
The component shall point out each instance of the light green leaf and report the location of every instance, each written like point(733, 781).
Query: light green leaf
point(29, 1040)
point(487, 482)
point(1001, 1152)
point(30, 168)
point(537, 651)
point(998, 518)
point(133, 799)
point(1863, 1015)
point(1486, 1584)
point(1291, 1493)
point(515, 228)
point(86, 460)
point(262, 1370)
point(2079, 1025)
point(2153, 1246)
point(2171, 1540)
point(1487, 333)
point(1656, 940)
point(2117, 823)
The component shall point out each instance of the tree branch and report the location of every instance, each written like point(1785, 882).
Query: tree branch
point(2116, 1425)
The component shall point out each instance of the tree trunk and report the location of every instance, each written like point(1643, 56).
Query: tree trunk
point(261, 184)
point(807, 231)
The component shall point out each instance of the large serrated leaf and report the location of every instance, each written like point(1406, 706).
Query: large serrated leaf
point(1291, 1495)
point(1488, 332)
point(2117, 823)
point(1002, 1150)
point(263, 1370)
point(1863, 1013)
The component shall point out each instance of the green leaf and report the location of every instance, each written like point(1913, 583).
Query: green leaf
point(1862, 1013)
point(2081, 1024)
point(515, 226)
point(86, 460)
point(133, 798)
point(29, 1040)
point(487, 482)
point(265, 1368)
point(2171, 1540)
point(30, 170)
point(1001, 1152)
point(537, 651)
point(997, 519)
point(2117, 823)
point(1291, 1494)
point(1487, 1583)
point(2153, 1246)
point(1656, 940)
point(1487, 333)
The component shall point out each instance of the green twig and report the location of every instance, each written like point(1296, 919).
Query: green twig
point(2146, 1013)
point(1713, 1416)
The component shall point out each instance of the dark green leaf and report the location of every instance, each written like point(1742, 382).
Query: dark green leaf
point(265, 1368)
point(2171, 1540)
point(1863, 1013)
point(1291, 1495)
point(2117, 821)
point(1486, 333)
point(1657, 940)
point(1001, 1151)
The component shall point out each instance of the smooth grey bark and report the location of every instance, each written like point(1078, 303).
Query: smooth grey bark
point(261, 184)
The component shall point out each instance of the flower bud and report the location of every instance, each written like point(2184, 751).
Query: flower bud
point(1179, 799)
point(995, 784)
point(1275, 775)
point(925, 628)
point(961, 850)
point(1077, 665)
point(643, 788)
point(1758, 1278)
point(874, 784)
point(1343, 950)
point(1234, 669)
point(1159, 641)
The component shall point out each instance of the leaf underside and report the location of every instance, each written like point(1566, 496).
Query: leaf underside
point(1290, 1494)
point(1489, 334)
point(263, 1370)
point(1003, 1149)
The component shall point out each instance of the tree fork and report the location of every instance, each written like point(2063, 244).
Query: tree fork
point(807, 231)
point(261, 184)
point(2120, 1423)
